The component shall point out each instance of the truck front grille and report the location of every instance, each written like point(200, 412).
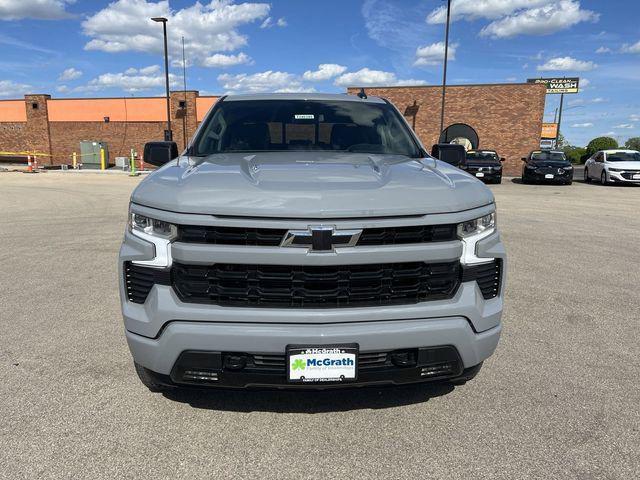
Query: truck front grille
point(315, 286)
point(271, 237)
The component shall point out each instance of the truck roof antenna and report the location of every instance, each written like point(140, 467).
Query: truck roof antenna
point(362, 94)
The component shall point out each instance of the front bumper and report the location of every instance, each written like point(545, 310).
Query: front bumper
point(162, 356)
point(623, 177)
point(484, 174)
point(564, 177)
point(159, 330)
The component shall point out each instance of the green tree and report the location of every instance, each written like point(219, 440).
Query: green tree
point(574, 154)
point(562, 142)
point(601, 143)
point(633, 143)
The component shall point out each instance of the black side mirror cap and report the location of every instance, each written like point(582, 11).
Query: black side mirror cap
point(159, 153)
point(502, 159)
point(524, 159)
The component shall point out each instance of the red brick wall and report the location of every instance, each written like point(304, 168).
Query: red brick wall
point(507, 117)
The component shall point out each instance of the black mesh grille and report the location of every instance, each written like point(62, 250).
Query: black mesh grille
point(404, 235)
point(315, 286)
point(267, 237)
point(630, 175)
point(138, 280)
point(366, 360)
point(487, 275)
point(271, 237)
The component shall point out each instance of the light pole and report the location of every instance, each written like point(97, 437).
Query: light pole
point(168, 136)
point(444, 72)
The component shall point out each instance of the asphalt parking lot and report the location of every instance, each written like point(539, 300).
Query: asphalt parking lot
point(559, 399)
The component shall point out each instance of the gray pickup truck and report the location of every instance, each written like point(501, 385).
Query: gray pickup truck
point(309, 241)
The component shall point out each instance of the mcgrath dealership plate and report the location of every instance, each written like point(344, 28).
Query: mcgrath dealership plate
point(548, 175)
point(479, 174)
point(636, 176)
point(322, 363)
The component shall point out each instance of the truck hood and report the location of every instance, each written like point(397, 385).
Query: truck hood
point(310, 185)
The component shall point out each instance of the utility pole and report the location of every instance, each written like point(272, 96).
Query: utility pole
point(168, 135)
point(184, 80)
point(444, 73)
point(559, 119)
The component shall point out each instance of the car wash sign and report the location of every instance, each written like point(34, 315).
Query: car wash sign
point(558, 85)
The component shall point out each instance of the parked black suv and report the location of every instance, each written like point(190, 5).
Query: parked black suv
point(547, 166)
point(484, 164)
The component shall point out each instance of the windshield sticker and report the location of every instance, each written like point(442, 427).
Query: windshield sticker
point(304, 116)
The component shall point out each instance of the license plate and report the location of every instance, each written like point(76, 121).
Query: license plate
point(479, 174)
point(322, 363)
point(636, 176)
point(548, 175)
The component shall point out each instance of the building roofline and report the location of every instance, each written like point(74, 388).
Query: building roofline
point(448, 85)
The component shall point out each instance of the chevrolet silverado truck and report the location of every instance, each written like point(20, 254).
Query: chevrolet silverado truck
point(309, 241)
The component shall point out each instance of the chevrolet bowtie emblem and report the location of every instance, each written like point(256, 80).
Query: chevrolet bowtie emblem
point(321, 238)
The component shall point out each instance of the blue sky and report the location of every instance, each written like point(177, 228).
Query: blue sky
point(100, 48)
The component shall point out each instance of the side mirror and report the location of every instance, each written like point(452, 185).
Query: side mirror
point(159, 153)
point(502, 159)
point(524, 159)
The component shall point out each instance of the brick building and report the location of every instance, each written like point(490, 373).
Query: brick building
point(503, 117)
point(506, 117)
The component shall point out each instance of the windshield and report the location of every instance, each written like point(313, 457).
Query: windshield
point(623, 157)
point(548, 156)
point(482, 156)
point(283, 125)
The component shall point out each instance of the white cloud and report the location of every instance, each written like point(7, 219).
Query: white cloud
point(325, 72)
point(603, 50)
point(366, 77)
point(125, 25)
point(582, 125)
point(634, 117)
point(9, 88)
point(599, 100)
point(434, 54)
point(624, 125)
point(268, 23)
point(220, 60)
point(131, 80)
point(473, 9)
point(70, 74)
point(566, 63)
point(268, 81)
point(634, 48)
point(543, 20)
point(584, 83)
point(62, 89)
point(38, 9)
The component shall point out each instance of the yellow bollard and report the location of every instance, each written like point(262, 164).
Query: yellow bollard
point(102, 160)
point(75, 160)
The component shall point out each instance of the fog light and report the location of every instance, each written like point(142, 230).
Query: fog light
point(438, 369)
point(200, 376)
point(404, 359)
point(235, 362)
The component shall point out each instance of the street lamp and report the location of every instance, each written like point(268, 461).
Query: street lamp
point(168, 136)
point(444, 73)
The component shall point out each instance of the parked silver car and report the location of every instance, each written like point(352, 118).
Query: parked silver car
point(613, 166)
point(308, 240)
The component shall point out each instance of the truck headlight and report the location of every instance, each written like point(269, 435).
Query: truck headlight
point(477, 225)
point(151, 226)
point(471, 232)
point(157, 232)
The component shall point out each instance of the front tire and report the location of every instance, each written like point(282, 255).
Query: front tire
point(498, 181)
point(603, 178)
point(587, 178)
point(148, 381)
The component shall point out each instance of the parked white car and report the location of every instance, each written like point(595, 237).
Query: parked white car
point(613, 166)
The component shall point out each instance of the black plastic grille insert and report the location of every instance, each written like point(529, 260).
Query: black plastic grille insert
point(315, 286)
